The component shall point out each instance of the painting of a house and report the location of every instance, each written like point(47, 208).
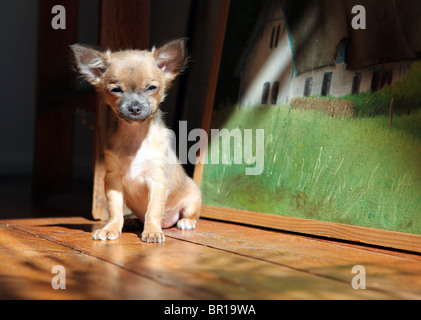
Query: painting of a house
point(318, 52)
point(360, 167)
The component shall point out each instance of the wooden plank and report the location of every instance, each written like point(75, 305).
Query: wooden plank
point(196, 270)
point(394, 272)
point(124, 25)
point(213, 81)
point(26, 273)
point(54, 135)
point(391, 239)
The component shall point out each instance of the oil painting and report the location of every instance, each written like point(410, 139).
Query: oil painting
point(336, 88)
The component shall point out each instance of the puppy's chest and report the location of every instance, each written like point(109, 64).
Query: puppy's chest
point(143, 164)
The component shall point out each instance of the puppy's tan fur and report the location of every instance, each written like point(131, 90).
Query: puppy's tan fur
point(142, 171)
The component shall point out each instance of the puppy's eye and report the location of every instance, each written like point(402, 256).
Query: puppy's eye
point(116, 90)
point(151, 89)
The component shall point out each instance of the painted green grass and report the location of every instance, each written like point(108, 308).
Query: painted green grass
point(354, 171)
point(405, 94)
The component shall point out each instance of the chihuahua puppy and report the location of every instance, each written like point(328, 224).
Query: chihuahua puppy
point(142, 170)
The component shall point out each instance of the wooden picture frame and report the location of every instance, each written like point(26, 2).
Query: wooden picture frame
point(367, 235)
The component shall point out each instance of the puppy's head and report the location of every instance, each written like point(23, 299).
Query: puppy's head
point(133, 82)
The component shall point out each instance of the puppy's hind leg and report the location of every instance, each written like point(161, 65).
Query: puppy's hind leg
point(191, 211)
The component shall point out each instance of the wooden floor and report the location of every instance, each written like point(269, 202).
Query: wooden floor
point(216, 261)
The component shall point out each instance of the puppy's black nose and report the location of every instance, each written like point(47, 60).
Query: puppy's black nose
point(134, 109)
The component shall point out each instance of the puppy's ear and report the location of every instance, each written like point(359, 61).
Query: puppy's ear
point(91, 63)
point(171, 58)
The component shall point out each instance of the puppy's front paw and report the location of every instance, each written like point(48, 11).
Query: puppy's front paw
point(186, 224)
point(103, 234)
point(152, 237)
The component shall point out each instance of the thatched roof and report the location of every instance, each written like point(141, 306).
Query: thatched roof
point(409, 13)
point(383, 41)
point(317, 27)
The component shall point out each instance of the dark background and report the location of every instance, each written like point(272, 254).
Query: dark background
point(170, 19)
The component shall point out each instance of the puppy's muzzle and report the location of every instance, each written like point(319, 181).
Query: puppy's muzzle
point(134, 110)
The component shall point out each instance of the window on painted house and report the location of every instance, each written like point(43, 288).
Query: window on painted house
point(272, 37)
point(381, 77)
point(277, 35)
point(387, 77)
point(343, 46)
point(375, 81)
point(307, 87)
point(265, 94)
point(356, 83)
point(275, 91)
point(327, 80)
